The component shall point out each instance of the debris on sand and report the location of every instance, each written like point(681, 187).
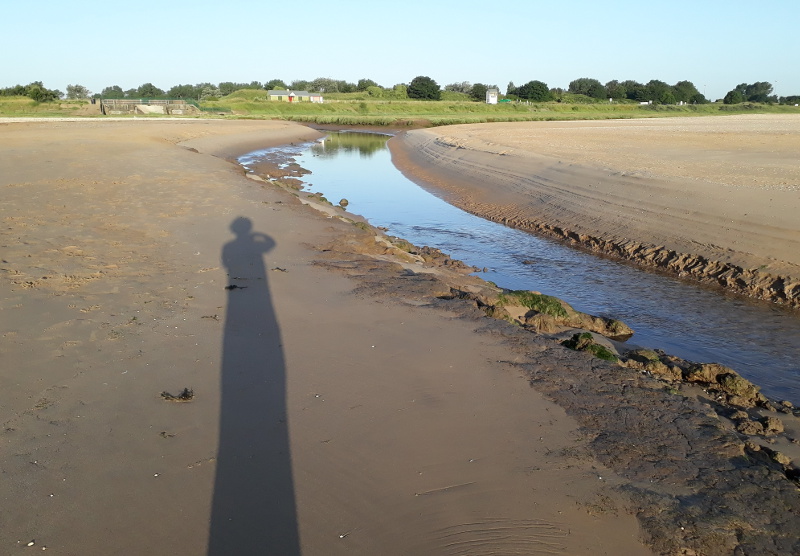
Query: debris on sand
point(186, 396)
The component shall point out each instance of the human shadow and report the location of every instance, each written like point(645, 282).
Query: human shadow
point(253, 510)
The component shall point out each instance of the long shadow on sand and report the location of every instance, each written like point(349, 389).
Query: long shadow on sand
point(253, 511)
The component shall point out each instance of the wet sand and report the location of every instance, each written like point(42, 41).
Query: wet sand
point(714, 199)
point(327, 418)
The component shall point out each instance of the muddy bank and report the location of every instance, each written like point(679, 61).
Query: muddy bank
point(706, 223)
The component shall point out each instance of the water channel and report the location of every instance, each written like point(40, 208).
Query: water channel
point(760, 341)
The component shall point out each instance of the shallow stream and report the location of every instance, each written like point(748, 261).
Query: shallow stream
point(760, 341)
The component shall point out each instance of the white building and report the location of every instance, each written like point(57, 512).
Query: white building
point(491, 96)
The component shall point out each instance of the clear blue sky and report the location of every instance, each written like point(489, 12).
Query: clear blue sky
point(715, 44)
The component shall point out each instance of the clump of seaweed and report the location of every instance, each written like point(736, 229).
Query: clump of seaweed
point(186, 395)
point(541, 303)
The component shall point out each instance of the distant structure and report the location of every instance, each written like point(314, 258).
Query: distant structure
point(491, 96)
point(294, 96)
point(177, 107)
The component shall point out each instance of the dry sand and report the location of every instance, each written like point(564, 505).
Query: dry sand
point(716, 199)
point(326, 418)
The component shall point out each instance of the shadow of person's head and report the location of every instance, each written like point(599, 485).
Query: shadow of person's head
point(242, 226)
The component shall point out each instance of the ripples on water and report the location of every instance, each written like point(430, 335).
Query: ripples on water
point(760, 341)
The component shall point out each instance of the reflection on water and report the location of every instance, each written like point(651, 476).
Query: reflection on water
point(760, 341)
point(365, 144)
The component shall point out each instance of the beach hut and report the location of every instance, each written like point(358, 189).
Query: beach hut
point(283, 95)
point(491, 96)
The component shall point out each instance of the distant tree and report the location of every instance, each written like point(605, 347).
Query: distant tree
point(698, 98)
point(38, 92)
point(324, 85)
point(587, 86)
point(536, 91)
point(597, 90)
point(557, 94)
point(365, 84)
point(148, 90)
point(209, 92)
point(757, 92)
point(478, 91)
point(615, 89)
point(684, 91)
point(114, 91)
point(184, 91)
point(255, 85)
point(659, 92)
point(15, 91)
point(400, 91)
point(375, 91)
point(345, 86)
point(228, 87)
point(300, 85)
point(634, 90)
point(423, 87)
point(131, 93)
point(77, 92)
point(459, 87)
point(667, 97)
point(510, 88)
point(733, 97)
point(275, 84)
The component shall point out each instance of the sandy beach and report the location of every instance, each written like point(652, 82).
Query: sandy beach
point(345, 398)
point(711, 199)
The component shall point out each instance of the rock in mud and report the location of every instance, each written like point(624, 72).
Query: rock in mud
point(585, 341)
point(650, 361)
point(772, 425)
point(749, 427)
point(548, 314)
point(738, 391)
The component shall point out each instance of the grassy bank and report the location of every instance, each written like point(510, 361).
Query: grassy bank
point(353, 109)
point(360, 109)
point(19, 107)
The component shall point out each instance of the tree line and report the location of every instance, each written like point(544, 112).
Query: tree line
point(425, 88)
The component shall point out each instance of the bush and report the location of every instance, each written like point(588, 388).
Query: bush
point(425, 88)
